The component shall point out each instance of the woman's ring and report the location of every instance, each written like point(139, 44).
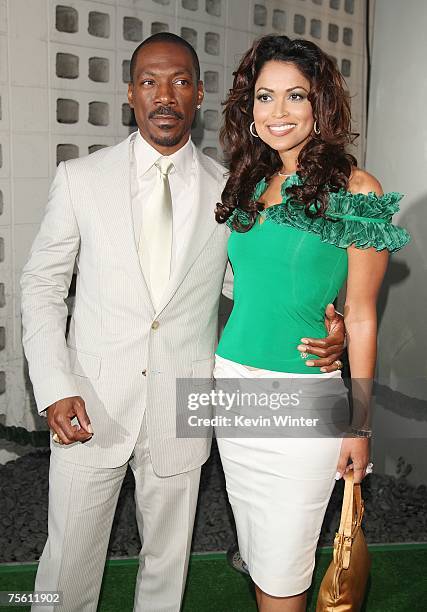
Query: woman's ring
point(56, 438)
point(369, 468)
point(338, 363)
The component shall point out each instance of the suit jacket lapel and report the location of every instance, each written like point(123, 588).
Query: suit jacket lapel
point(113, 196)
point(203, 224)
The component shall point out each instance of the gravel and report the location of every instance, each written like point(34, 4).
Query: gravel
point(394, 510)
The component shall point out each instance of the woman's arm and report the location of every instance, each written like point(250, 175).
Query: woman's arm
point(366, 269)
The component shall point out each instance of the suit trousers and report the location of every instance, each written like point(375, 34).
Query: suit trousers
point(82, 503)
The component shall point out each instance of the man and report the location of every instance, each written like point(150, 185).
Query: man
point(137, 220)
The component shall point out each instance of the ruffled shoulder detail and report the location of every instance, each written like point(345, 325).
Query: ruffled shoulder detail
point(344, 204)
point(243, 216)
point(361, 220)
point(260, 187)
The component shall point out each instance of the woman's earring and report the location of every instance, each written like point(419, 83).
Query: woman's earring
point(316, 128)
point(252, 130)
point(199, 106)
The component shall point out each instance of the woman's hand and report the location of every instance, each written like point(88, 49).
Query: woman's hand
point(357, 450)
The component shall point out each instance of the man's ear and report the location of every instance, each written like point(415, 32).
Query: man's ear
point(130, 94)
point(200, 92)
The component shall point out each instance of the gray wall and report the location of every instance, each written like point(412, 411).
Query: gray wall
point(397, 155)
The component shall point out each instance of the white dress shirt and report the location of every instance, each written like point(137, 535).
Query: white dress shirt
point(181, 181)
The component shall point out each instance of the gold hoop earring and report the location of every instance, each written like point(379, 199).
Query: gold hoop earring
point(252, 130)
point(316, 128)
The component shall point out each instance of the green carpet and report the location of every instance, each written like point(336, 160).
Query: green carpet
point(398, 582)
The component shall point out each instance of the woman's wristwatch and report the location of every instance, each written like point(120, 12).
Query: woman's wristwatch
point(361, 433)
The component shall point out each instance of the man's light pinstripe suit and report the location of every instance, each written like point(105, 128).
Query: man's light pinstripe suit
point(124, 367)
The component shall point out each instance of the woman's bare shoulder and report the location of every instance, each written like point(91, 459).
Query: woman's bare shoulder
point(361, 181)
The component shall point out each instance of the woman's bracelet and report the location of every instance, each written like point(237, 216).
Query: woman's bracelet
point(361, 433)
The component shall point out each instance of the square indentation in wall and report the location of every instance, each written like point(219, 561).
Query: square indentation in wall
point(317, 1)
point(65, 152)
point(99, 69)
point(279, 20)
point(347, 36)
point(2, 338)
point(132, 29)
point(99, 113)
point(211, 119)
point(1, 249)
point(190, 36)
point(162, 2)
point(213, 7)
point(211, 81)
point(316, 28)
point(96, 147)
point(346, 67)
point(333, 32)
point(128, 118)
point(67, 110)
point(335, 4)
point(299, 24)
point(190, 5)
point(2, 382)
point(66, 19)
point(349, 6)
point(159, 26)
point(1, 202)
point(260, 15)
point(99, 24)
point(126, 71)
point(2, 296)
point(212, 40)
point(67, 66)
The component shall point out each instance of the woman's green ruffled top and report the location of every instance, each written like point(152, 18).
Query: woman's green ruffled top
point(290, 266)
point(362, 220)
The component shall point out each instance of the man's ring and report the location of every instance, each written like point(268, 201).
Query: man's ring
point(369, 468)
point(56, 438)
point(338, 363)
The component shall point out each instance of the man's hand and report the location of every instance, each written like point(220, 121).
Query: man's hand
point(60, 415)
point(331, 348)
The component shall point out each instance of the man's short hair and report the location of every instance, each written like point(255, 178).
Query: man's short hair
point(166, 37)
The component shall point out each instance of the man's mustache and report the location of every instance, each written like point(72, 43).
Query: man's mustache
point(165, 110)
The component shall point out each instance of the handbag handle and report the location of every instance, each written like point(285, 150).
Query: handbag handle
point(352, 506)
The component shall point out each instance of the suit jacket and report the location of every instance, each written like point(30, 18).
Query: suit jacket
point(121, 355)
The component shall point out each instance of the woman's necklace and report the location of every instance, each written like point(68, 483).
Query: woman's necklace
point(285, 175)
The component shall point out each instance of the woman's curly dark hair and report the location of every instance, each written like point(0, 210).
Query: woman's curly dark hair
point(323, 164)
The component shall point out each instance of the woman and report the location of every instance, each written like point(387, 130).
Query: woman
point(303, 219)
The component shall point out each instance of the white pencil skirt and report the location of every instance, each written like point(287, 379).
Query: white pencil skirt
point(279, 489)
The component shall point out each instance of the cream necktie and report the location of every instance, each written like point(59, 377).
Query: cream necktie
point(155, 242)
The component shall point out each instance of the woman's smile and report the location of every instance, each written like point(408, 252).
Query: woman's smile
point(281, 129)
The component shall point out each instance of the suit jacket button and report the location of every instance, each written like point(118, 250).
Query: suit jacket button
point(155, 325)
point(144, 372)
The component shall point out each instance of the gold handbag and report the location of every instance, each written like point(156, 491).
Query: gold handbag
point(343, 586)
